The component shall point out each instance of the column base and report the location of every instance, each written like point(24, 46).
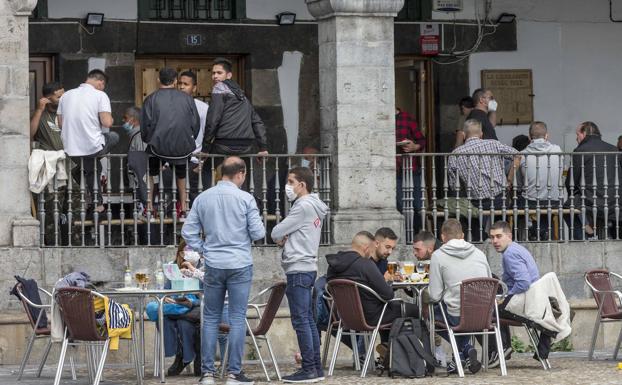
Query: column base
point(348, 222)
point(25, 232)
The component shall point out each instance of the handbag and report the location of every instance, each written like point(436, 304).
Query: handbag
point(170, 309)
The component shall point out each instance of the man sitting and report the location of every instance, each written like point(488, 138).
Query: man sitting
point(454, 262)
point(385, 241)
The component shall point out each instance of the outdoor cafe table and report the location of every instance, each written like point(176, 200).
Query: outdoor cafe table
point(160, 295)
point(417, 288)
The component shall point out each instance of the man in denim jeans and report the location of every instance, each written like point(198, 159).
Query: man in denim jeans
point(299, 235)
point(229, 220)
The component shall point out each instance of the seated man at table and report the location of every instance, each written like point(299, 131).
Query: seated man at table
point(455, 261)
point(384, 244)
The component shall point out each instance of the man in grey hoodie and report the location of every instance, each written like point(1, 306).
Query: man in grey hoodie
point(299, 235)
point(454, 262)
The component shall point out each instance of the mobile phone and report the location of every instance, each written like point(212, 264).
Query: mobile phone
point(402, 143)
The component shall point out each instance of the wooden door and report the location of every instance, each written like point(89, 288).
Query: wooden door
point(40, 72)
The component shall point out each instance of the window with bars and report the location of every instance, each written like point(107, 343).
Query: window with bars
point(189, 9)
point(415, 10)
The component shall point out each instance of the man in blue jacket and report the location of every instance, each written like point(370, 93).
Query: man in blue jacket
point(519, 272)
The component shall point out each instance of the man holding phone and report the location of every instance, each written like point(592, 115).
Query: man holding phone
point(409, 139)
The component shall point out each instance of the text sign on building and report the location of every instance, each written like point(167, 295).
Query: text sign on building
point(513, 90)
point(193, 39)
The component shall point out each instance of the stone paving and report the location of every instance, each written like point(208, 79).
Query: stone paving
point(568, 368)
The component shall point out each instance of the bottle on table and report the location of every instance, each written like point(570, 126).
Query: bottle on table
point(127, 278)
point(159, 276)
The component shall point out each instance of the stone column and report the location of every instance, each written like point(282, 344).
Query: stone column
point(357, 109)
point(17, 226)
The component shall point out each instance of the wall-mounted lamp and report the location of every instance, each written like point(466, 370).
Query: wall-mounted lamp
point(286, 18)
point(94, 19)
point(506, 18)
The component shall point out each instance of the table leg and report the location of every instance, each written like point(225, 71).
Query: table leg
point(141, 318)
point(161, 332)
point(431, 314)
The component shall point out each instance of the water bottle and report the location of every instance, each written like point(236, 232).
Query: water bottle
point(159, 276)
point(127, 278)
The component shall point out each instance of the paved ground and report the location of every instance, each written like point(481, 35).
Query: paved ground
point(522, 370)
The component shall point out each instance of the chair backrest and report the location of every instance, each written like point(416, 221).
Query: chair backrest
point(600, 280)
point(347, 300)
point(32, 313)
point(78, 313)
point(477, 303)
point(277, 291)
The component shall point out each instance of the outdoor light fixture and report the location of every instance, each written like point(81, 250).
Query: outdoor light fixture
point(286, 18)
point(94, 19)
point(506, 18)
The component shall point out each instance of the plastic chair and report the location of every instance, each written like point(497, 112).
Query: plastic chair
point(347, 300)
point(78, 314)
point(477, 305)
point(608, 302)
point(38, 331)
point(260, 331)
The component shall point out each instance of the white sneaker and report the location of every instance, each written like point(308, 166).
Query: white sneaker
point(208, 379)
point(440, 355)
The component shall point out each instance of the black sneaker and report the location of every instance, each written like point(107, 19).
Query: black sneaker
point(452, 368)
point(240, 378)
point(208, 379)
point(320, 374)
point(493, 360)
point(302, 376)
point(471, 361)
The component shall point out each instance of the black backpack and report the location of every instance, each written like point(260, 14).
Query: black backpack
point(409, 353)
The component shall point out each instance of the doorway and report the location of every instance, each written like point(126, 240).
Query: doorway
point(40, 72)
point(146, 73)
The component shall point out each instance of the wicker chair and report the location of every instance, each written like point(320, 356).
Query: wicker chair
point(347, 300)
point(477, 305)
point(608, 301)
point(78, 315)
point(275, 295)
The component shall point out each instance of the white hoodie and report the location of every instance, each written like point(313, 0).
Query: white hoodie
point(541, 173)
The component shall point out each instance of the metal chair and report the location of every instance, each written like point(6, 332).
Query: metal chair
point(608, 301)
point(39, 331)
point(532, 333)
point(78, 314)
point(260, 331)
point(477, 305)
point(347, 300)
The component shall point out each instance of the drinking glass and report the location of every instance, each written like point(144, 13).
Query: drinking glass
point(142, 278)
point(409, 268)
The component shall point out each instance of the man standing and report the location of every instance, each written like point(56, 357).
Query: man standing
point(188, 85)
point(485, 106)
point(229, 220)
point(455, 261)
point(299, 235)
point(83, 113)
point(232, 125)
point(169, 124)
point(519, 272)
point(384, 244)
point(44, 128)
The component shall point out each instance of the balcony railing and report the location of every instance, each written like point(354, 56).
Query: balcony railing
point(68, 214)
point(545, 197)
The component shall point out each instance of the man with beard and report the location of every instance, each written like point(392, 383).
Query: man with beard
point(44, 127)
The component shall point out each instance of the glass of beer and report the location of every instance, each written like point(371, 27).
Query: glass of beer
point(142, 278)
point(409, 268)
point(392, 268)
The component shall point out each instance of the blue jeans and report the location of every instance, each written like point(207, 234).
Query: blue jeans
point(237, 284)
point(299, 295)
point(461, 341)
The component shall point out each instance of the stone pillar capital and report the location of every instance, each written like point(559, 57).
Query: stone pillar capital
point(22, 7)
point(323, 9)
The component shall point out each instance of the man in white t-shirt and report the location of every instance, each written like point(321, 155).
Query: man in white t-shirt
point(83, 113)
point(188, 83)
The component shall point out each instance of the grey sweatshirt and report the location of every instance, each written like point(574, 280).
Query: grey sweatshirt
point(455, 261)
point(303, 228)
point(540, 171)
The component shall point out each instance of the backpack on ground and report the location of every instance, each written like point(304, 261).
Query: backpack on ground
point(409, 352)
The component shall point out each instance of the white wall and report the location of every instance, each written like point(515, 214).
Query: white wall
point(112, 9)
point(267, 9)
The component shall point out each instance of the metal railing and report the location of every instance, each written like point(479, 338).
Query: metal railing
point(545, 196)
point(108, 205)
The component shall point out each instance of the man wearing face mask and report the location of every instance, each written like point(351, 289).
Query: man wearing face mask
point(299, 234)
point(485, 112)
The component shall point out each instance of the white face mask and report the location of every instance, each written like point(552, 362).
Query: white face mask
point(492, 105)
point(289, 192)
point(305, 163)
point(191, 256)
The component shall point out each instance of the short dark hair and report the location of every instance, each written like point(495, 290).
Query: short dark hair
point(190, 75)
point(466, 102)
point(520, 142)
point(425, 237)
point(501, 225)
point(133, 112)
point(225, 63)
point(451, 228)
point(537, 130)
point(478, 94)
point(589, 128)
point(167, 76)
point(232, 166)
point(365, 234)
point(303, 174)
point(49, 88)
point(386, 233)
point(97, 75)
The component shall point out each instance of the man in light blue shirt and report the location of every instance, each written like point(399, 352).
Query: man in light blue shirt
point(230, 221)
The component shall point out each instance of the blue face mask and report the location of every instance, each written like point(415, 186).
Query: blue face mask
point(127, 127)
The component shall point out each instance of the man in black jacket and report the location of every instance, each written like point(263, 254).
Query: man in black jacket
point(169, 124)
point(597, 172)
